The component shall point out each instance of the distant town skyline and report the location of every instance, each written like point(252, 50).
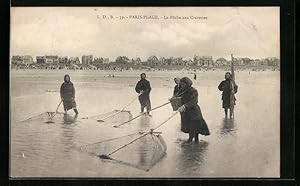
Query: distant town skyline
point(72, 31)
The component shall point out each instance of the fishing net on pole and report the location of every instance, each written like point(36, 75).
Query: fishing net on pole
point(115, 116)
point(143, 149)
point(43, 117)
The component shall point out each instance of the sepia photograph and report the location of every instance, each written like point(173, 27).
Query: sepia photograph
point(144, 92)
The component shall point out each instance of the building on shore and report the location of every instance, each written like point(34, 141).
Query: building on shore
point(22, 59)
point(63, 59)
point(220, 62)
point(204, 61)
point(74, 60)
point(100, 60)
point(16, 60)
point(97, 61)
point(122, 60)
point(51, 59)
point(136, 61)
point(105, 60)
point(189, 62)
point(87, 59)
point(152, 60)
point(255, 62)
point(40, 59)
point(176, 61)
point(271, 61)
point(162, 61)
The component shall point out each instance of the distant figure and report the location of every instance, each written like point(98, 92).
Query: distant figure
point(229, 88)
point(177, 87)
point(67, 94)
point(195, 76)
point(143, 88)
point(192, 121)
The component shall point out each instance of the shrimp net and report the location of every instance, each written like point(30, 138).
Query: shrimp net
point(143, 150)
point(115, 116)
point(44, 117)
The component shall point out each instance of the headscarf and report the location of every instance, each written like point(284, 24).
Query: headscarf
point(229, 75)
point(65, 78)
point(186, 81)
point(142, 74)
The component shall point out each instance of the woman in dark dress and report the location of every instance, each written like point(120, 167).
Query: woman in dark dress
point(192, 121)
point(143, 88)
point(67, 94)
point(228, 88)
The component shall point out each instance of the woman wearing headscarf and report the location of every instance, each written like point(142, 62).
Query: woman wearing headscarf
point(228, 88)
point(67, 94)
point(143, 88)
point(192, 121)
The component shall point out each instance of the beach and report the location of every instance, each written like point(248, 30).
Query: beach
point(246, 146)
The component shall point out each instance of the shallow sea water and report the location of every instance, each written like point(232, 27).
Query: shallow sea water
point(246, 146)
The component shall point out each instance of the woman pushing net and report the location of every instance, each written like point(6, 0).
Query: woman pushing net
point(192, 121)
point(67, 95)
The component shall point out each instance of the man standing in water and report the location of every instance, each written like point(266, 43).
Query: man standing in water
point(143, 88)
point(229, 88)
point(67, 95)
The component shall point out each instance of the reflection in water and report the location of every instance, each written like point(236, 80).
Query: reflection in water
point(68, 134)
point(228, 127)
point(144, 121)
point(192, 156)
point(68, 119)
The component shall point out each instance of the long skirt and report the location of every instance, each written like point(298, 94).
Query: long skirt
point(145, 102)
point(69, 104)
point(228, 102)
point(195, 127)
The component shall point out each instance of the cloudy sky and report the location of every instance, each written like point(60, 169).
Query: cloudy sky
point(74, 31)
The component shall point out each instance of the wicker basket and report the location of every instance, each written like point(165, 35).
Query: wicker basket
point(176, 103)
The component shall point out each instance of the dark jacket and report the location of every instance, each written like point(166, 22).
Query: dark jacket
point(192, 121)
point(227, 88)
point(67, 91)
point(144, 85)
point(190, 101)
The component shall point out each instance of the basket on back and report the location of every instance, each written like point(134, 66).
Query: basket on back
point(176, 103)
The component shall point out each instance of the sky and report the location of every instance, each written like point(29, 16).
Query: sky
point(75, 31)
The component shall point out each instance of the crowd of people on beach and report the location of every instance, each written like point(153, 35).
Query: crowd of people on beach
point(192, 121)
